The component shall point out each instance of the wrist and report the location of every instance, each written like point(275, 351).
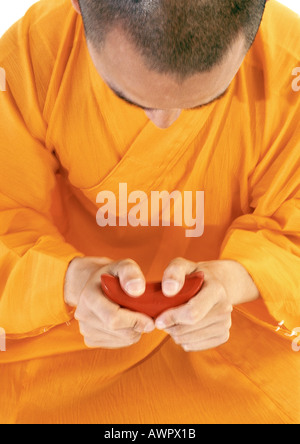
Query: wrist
point(71, 293)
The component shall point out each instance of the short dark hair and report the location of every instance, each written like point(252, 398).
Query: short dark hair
point(179, 37)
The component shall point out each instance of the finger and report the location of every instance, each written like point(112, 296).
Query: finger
point(106, 344)
point(124, 336)
point(175, 274)
point(92, 326)
point(207, 344)
point(195, 310)
point(131, 277)
point(211, 321)
point(187, 315)
point(123, 318)
point(137, 321)
point(94, 304)
point(204, 334)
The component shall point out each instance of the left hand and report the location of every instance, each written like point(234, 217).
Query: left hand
point(205, 321)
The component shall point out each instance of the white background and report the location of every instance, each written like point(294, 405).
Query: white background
point(12, 10)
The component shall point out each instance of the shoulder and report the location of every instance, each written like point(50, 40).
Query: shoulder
point(275, 54)
point(29, 50)
point(281, 28)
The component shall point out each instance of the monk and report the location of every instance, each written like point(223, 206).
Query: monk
point(108, 106)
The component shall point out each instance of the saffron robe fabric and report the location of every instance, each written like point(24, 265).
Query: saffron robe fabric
point(64, 137)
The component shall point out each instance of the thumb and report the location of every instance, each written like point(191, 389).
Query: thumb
point(174, 276)
point(131, 277)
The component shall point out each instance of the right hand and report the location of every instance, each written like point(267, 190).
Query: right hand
point(102, 323)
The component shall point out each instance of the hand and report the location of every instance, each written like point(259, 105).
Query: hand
point(102, 323)
point(205, 321)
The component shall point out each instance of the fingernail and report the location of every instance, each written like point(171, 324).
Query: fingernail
point(135, 287)
point(170, 287)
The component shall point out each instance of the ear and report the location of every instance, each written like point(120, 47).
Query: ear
point(76, 6)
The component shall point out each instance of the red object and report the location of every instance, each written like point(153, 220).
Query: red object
point(153, 302)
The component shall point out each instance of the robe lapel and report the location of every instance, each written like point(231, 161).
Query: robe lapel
point(153, 152)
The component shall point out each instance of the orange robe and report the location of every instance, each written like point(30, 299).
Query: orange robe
point(65, 137)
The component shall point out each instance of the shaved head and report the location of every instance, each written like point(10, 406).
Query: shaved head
point(178, 37)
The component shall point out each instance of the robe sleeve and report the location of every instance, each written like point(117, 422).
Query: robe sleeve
point(34, 255)
point(267, 240)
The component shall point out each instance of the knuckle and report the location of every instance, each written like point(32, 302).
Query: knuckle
point(137, 326)
point(175, 331)
point(177, 340)
point(83, 329)
point(221, 292)
point(175, 266)
point(225, 337)
point(178, 261)
point(127, 264)
point(80, 314)
point(225, 321)
point(229, 324)
point(128, 261)
point(109, 316)
point(111, 322)
point(134, 338)
point(221, 331)
point(130, 337)
point(128, 269)
point(87, 298)
point(192, 314)
point(89, 343)
point(77, 315)
point(227, 310)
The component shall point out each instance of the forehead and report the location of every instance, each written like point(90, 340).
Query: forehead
point(123, 68)
point(123, 96)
